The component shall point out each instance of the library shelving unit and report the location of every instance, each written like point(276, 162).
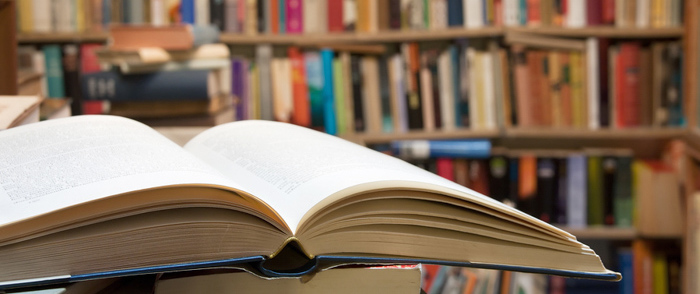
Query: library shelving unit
point(8, 48)
point(644, 141)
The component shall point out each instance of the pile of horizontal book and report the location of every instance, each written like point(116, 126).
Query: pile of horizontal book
point(168, 75)
point(318, 16)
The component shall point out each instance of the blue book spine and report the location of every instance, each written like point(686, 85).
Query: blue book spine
point(314, 80)
point(329, 120)
point(186, 11)
point(420, 149)
point(454, 55)
point(281, 11)
point(626, 270)
point(455, 13)
point(522, 7)
point(106, 13)
point(158, 86)
point(54, 71)
point(126, 12)
point(577, 191)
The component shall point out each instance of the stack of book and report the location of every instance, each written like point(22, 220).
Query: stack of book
point(162, 76)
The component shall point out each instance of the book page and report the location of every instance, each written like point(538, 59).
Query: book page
point(294, 168)
point(55, 164)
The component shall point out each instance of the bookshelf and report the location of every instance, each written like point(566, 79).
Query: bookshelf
point(8, 48)
point(61, 37)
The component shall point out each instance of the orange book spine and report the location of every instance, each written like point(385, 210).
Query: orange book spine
point(301, 114)
point(274, 17)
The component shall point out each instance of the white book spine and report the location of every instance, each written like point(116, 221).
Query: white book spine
point(311, 24)
point(643, 13)
point(474, 109)
point(63, 15)
point(576, 183)
point(447, 97)
point(158, 12)
point(511, 13)
point(201, 11)
point(399, 84)
point(43, 15)
point(593, 83)
point(576, 14)
point(473, 13)
point(349, 12)
point(489, 103)
point(322, 20)
point(39, 63)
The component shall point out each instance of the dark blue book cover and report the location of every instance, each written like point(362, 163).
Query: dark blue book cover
point(455, 13)
point(329, 121)
point(167, 85)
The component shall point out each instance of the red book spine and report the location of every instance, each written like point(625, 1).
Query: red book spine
point(608, 12)
point(335, 16)
point(629, 113)
point(295, 17)
point(594, 12)
point(445, 168)
point(302, 114)
point(533, 13)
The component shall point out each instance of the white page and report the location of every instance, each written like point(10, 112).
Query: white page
point(55, 164)
point(294, 168)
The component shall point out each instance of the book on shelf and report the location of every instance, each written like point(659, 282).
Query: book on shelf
point(172, 37)
point(422, 149)
point(174, 208)
point(252, 17)
point(349, 279)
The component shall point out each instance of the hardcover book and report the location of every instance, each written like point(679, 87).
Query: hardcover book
point(268, 197)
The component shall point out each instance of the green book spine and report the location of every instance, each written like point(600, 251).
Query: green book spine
point(340, 111)
point(54, 71)
point(595, 191)
point(623, 192)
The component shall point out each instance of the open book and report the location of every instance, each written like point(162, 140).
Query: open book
point(98, 196)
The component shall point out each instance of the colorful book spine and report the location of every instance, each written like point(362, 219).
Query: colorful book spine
point(455, 13)
point(314, 79)
point(295, 17)
point(335, 16)
point(576, 184)
point(166, 85)
point(282, 14)
point(623, 201)
point(341, 112)
point(329, 120)
point(187, 11)
point(237, 87)
point(596, 210)
point(54, 71)
point(301, 115)
point(422, 149)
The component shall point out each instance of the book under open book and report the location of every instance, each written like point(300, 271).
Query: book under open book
point(98, 196)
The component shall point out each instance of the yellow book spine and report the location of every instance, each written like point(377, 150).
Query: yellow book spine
point(80, 15)
point(25, 13)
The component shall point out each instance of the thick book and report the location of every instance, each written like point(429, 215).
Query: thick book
point(422, 149)
point(166, 85)
point(350, 279)
point(172, 37)
point(272, 198)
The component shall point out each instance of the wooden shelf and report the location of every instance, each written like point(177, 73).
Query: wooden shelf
point(379, 37)
point(602, 134)
point(606, 233)
point(384, 36)
point(58, 37)
point(421, 135)
point(604, 31)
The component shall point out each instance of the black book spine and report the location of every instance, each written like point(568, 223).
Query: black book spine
point(358, 106)
point(71, 75)
point(395, 14)
point(546, 188)
point(609, 171)
point(216, 14)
